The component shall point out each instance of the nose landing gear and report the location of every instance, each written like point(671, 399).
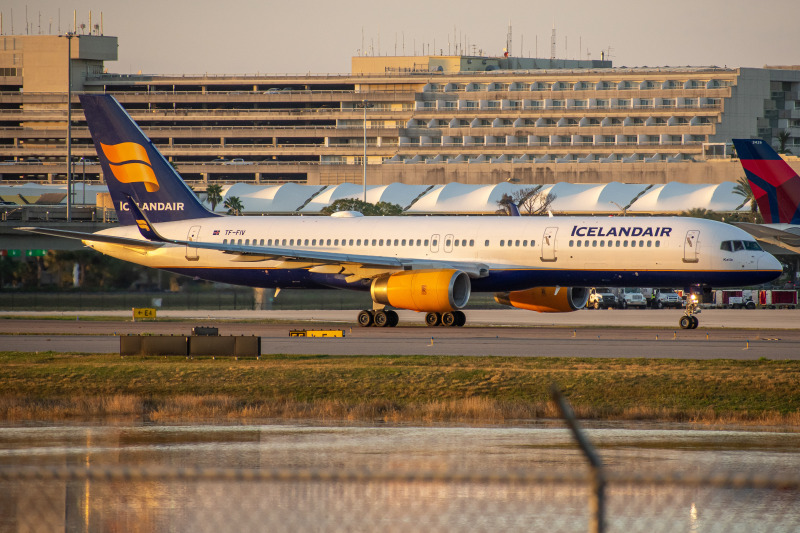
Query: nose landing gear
point(689, 320)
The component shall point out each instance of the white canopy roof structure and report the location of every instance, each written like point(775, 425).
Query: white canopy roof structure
point(452, 198)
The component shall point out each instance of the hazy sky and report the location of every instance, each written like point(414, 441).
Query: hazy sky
point(299, 36)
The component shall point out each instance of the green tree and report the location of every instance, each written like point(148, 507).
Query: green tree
point(700, 212)
point(365, 208)
point(783, 139)
point(214, 195)
point(742, 188)
point(234, 205)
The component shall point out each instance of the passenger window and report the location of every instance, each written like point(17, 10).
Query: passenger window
point(602, 244)
point(579, 244)
point(649, 244)
point(426, 242)
point(358, 243)
point(380, 242)
point(586, 243)
point(641, 244)
point(395, 242)
point(633, 244)
point(472, 242)
point(403, 242)
point(374, 241)
point(516, 243)
point(624, 244)
point(594, 244)
point(502, 242)
point(435, 243)
point(247, 242)
point(224, 241)
point(658, 243)
point(284, 242)
point(314, 242)
point(486, 243)
point(533, 243)
point(571, 244)
point(617, 244)
point(525, 243)
point(262, 242)
point(455, 242)
point(240, 241)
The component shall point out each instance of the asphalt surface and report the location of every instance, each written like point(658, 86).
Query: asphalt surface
point(728, 334)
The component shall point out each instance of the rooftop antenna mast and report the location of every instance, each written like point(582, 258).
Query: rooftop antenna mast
point(508, 40)
point(553, 42)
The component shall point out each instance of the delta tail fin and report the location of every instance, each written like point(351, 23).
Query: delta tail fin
point(775, 186)
point(134, 168)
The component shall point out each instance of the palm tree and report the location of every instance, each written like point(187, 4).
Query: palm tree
point(742, 188)
point(214, 194)
point(234, 205)
point(783, 138)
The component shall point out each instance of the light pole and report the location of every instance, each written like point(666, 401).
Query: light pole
point(69, 35)
point(83, 180)
point(365, 104)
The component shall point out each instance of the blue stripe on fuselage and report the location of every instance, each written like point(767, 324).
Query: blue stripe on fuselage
point(497, 281)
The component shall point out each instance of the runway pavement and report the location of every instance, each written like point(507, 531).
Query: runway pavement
point(735, 334)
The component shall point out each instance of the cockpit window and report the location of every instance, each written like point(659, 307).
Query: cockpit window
point(735, 246)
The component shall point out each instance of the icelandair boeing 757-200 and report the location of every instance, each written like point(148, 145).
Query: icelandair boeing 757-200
point(427, 263)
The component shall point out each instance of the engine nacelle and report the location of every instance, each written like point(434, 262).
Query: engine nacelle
point(546, 299)
point(423, 290)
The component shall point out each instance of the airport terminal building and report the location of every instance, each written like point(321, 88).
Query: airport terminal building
point(427, 120)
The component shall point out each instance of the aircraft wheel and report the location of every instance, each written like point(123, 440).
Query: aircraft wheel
point(695, 322)
point(685, 322)
point(448, 319)
point(393, 318)
point(461, 318)
point(433, 319)
point(381, 319)
point(365, 319)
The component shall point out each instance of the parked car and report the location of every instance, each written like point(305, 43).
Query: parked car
point(238, 161)
point(661, 298)
point(631, 297)
point(601, 298)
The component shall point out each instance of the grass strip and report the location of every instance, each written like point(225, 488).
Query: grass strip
point(57, 386)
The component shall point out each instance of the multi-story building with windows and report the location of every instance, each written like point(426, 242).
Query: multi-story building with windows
point(426, 120)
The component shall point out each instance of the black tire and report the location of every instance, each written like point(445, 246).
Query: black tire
point(448, 319)
point(365, 319)
point(461, 318)
point(433, 319)
point(623, 304)
point(685, 322)
point(393, 318)
point(695, 322)
point(659, 305)
point(381, 319)
point(750, 305)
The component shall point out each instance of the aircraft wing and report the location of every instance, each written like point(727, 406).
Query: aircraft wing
point(95, 237)
point(768, 233)
point(356, 266)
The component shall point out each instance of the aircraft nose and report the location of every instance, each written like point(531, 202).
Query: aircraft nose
point(768, 262)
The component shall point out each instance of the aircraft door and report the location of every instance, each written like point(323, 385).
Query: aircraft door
point(435, 243)
point(448, 243)
point(690, 243)
point(549, 244)
point(191, 253)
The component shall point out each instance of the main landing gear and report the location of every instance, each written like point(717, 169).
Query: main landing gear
point(689, 320)
point(382, 318)
point(450, 318)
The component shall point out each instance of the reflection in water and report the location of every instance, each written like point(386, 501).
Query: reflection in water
point(183, 505)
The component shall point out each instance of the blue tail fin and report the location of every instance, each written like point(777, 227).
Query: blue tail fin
point(134, 168)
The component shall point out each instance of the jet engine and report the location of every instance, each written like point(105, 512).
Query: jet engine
point(546, 299)
point(423, 290)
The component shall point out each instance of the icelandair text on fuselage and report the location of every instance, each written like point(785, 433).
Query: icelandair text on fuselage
point(154, 206)
point(624, 231)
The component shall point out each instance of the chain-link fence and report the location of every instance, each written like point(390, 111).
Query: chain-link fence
point(388, 496)
point(173, 499)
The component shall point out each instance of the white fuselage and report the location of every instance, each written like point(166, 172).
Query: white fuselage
point(520, 252)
